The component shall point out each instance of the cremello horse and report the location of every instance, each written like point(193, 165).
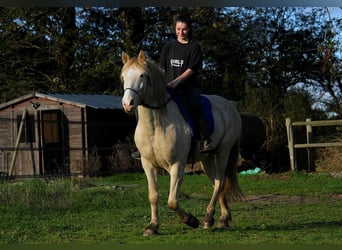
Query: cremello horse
point(163, 138)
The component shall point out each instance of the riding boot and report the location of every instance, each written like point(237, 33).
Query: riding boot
point(206, 143)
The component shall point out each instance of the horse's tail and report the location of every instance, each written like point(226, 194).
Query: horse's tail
point(232, 188)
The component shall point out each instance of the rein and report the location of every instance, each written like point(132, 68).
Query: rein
point(147, 105)
point(157, 107)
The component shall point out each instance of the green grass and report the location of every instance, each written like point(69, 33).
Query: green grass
point(291, 208)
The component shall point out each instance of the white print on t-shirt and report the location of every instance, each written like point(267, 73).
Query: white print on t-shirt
point(176, 63)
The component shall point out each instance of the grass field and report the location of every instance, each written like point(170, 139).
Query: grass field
point(290, 208)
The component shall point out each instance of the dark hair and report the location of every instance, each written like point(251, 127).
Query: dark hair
point(184, 18)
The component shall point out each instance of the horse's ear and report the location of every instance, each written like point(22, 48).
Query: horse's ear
point(124, 57)
point(141, 56)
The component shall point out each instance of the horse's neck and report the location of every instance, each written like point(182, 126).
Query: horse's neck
point(153, 119)
point(148, 118)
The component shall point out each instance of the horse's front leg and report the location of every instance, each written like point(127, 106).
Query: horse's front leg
point(152, 179)
point(176, 178)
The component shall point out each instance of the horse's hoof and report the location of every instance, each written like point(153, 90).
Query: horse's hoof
point(192, 221)
point(151, 229)
point(208, 224)
point(223, 224)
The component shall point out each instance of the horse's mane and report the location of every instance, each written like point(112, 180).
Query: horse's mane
point(157, 81)
point(156, 75)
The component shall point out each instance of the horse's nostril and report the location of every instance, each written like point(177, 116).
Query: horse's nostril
point(131, 102)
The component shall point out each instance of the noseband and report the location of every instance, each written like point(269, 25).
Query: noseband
point(134, 91)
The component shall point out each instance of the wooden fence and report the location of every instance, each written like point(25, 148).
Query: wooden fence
point(309, 145)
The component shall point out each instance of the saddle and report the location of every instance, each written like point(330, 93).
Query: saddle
point(206, 106)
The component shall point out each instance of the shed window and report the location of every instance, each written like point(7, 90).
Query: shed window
point(27, 134)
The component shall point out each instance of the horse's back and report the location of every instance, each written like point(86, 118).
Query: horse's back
point(226, 116)
point(219, 103)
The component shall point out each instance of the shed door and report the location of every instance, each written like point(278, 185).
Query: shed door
point(54, 143)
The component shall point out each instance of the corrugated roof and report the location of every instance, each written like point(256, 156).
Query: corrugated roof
point(97, 101)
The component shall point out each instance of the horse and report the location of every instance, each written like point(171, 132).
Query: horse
point(164, 140)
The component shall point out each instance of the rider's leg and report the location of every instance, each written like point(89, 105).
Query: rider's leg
point(194, 103)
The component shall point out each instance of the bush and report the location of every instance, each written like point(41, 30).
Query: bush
point(329, 160)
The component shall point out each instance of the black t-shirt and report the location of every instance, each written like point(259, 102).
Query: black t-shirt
point(177, 57)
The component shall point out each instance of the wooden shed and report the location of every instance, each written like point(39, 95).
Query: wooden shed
point(60, 133)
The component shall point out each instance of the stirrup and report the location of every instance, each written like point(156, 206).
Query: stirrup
point(207, 146)
point(136, 155)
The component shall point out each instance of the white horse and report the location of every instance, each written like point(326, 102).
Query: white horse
point(163, 138)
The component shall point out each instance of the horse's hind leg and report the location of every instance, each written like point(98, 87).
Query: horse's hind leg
point(209, 216)
point(215, 171)
point(225, 211)
point(215, 168)
point(231, 189)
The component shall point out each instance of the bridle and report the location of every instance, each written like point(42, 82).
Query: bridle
point(158, 107)
point(138, 93)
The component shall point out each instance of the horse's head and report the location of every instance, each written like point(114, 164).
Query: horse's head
point(143, 82)
point(134, 78)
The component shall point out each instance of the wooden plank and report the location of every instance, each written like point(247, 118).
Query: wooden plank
point(17, 142)
point(309, 124)
point(290, 143)
point(318, 123)
point(318, 145)
point(310, 151)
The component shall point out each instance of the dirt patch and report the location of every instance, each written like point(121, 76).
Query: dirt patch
point(299, 199)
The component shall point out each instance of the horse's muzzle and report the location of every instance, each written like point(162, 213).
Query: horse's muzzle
point(129, 107)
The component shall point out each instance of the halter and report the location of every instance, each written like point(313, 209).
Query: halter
point(138, 93)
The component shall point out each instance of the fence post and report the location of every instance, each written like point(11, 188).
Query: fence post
point(310, 151)
point(290, 143)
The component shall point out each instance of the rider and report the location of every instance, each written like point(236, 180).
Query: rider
point(181, 60)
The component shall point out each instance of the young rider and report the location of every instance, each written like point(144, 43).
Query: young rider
point(181, 60)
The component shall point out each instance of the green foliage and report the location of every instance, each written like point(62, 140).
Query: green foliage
point(261, 50)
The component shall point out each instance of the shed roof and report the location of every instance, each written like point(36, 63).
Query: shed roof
point(97, 101)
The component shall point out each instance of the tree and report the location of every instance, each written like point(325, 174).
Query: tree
point(133, 28)
point(37, 51)
point(247, 50)
point(282, 46)
point(219, 31)
point(329, 81)
point(97, 59)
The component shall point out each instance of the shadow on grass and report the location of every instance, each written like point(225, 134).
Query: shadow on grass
point(296, 226)
point(280, 227)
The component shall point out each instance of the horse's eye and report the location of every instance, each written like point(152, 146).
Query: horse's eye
point(142, 76)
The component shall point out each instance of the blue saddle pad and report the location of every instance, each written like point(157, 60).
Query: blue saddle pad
point(206, 105)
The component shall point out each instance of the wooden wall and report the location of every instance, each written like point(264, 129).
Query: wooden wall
point(82, 128)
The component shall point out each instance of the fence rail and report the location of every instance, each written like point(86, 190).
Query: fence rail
point(309, 145)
